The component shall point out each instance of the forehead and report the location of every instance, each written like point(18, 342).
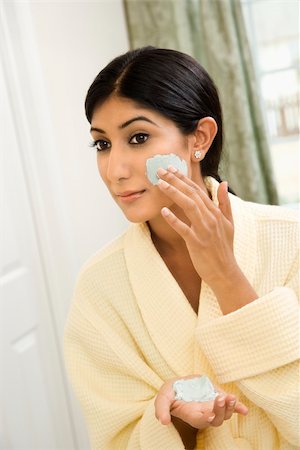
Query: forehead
point(117, 110)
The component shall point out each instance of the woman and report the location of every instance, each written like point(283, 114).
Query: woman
point(202, 282)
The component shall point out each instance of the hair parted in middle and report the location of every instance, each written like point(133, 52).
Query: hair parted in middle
point(166, 81)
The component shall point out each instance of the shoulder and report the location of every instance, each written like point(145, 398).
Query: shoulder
point(100, 276)
point(272, 230)
point(102, 266)
point(274, 216)
point(277, 229)
point(267, 215)
point(106, 271)
point(273, 213)
point(112, 248)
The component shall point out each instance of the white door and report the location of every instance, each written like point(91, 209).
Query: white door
point(33, 404)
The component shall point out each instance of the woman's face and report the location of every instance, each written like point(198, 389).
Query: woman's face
point(126, 135)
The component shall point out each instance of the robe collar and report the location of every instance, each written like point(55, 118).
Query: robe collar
point(168, 316)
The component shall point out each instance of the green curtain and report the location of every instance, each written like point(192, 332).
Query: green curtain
point(213, 32)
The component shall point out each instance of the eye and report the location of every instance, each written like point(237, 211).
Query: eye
point(139, 138)
point(100, 145)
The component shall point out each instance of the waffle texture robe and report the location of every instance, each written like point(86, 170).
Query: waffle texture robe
point(131, 328)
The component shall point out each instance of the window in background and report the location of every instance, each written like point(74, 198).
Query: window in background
point(273, 32)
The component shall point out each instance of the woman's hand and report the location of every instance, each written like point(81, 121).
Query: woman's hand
point(208, 237)
point(199, 415)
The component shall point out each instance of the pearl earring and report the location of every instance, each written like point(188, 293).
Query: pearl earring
point(198, 154)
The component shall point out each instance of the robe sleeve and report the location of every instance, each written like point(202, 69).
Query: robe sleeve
point(115, 387)
point(257, 347)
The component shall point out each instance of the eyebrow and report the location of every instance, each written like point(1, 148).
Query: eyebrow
point(127, 123)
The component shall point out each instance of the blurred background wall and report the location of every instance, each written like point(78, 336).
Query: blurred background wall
point(57, 212)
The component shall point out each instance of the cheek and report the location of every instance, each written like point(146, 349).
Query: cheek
point(101, 166)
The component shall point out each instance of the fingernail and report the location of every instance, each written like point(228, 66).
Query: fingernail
point(211, 418)
point(161, 171)
point(226, 186)
point(232, 403)
point(172, 169)
point(165, 211)
point(221, 401)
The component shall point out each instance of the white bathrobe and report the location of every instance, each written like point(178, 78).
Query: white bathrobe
point(131, 328)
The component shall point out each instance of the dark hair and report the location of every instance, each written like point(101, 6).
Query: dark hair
point(169, 82)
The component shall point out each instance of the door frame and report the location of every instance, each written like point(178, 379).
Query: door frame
point(34, 132)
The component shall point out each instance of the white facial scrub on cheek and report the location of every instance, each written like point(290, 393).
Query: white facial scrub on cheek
point(163, 161)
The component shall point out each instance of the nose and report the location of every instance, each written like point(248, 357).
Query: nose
point(118, 166)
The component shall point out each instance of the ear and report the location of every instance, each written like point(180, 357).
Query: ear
point(203, 136)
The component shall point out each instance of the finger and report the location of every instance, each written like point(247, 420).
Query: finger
point(205, 198)
point(194, 416)
point(230, 406)
point(219, 410)
point(224, 201)
point(206, 420)
point(180, 227)
point(186, 185)
point(162, 405)
point(241, 408)
point(189, 203)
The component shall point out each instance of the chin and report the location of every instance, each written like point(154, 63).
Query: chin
point(144, 209)
point(137, 217)
point(139, 214)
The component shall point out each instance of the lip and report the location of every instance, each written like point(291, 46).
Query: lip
point(129, 196)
